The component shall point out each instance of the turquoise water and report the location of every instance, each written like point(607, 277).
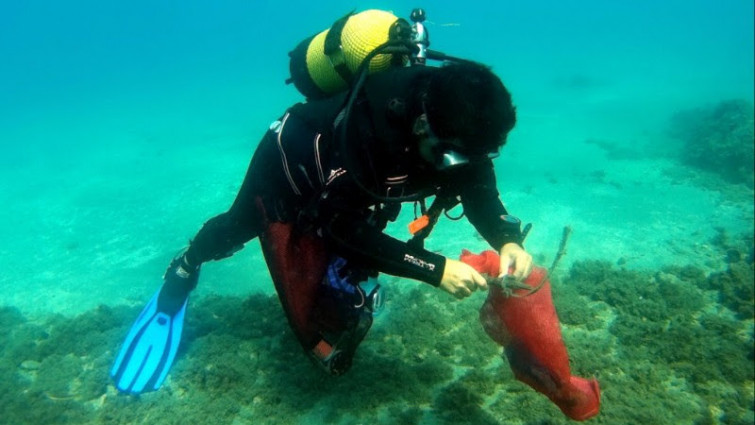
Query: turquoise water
point(125, 125)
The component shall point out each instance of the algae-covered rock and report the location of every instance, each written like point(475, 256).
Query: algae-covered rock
point(661, 353)
point(656, 297)
point(459, 405)
point(718, 138)
point(408, 416)
point(736, 288)
point(574, 308)
point(664, 322)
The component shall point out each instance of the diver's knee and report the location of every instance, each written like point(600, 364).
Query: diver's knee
point(335, 363)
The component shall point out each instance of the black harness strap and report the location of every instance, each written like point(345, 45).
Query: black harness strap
point(442, 202)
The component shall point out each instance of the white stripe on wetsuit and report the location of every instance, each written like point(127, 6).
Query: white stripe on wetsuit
point(318, 161)
point(283, 156)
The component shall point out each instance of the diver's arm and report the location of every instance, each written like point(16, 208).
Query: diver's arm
point(351, 236)
point(484, 209)
point(486, 212)
point(370, 247)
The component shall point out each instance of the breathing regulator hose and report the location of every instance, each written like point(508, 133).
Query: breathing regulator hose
point(392, 47)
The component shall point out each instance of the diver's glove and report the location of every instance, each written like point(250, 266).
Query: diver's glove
point(152, 343)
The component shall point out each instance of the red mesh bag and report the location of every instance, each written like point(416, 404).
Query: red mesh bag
point(528, 328)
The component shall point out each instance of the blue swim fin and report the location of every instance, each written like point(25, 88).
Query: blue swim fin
point(151, 345)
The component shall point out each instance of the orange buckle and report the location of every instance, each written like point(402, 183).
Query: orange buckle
point(322, 350)
point(419, 224)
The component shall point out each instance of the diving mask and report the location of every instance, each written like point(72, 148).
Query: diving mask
point(448, 156)
point(451, 153)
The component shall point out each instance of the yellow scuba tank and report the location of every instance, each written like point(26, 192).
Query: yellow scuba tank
point(324, 64)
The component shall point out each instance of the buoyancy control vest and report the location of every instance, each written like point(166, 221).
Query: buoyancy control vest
point(341, 57)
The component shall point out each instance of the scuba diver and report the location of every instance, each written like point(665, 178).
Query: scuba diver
point(323, 183)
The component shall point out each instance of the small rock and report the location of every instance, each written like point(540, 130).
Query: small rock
point(29, 365)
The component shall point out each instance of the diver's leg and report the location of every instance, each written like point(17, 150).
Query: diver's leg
point(220, 237)
point(330, 321)
point(296, 262)
point(151, 345)
point(343, 315)
point(223, 235)
point(328, 311)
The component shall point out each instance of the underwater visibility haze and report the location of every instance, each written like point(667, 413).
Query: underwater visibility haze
point(124, 126)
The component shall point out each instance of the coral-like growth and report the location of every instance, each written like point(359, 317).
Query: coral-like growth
point(663, 347)
point(735, 284)
point(664, 320)
point(718, 139)
point(458, 405)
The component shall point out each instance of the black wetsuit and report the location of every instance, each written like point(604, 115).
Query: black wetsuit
point(299, 174)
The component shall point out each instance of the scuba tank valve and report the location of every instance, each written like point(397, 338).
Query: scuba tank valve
point(420, 36)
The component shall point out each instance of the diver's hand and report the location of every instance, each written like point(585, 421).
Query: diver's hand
point(514, 256)
point(460, 279)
